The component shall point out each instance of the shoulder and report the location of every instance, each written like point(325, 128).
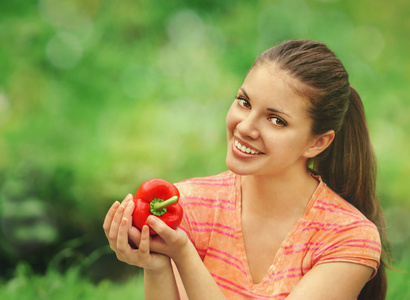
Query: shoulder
point(208, 202)
point(343, 232)
point(329, 206)
point(221, 177)
point(215, 184)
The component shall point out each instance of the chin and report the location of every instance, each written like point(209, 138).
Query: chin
point(237, 168)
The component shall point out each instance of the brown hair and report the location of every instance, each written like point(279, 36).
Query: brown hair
point(348, 165)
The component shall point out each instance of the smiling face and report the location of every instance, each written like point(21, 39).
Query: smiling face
point(268, 128)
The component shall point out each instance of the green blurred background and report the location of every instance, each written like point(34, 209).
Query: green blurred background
point(97, 96)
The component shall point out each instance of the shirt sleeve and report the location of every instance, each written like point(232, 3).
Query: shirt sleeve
point(356, 242)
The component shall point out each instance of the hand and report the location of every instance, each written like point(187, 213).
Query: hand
point(170, 242)
point(119, 232)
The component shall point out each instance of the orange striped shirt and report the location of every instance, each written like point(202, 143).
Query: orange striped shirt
point(331, 230)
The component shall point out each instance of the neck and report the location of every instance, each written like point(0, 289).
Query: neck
point(277, 196)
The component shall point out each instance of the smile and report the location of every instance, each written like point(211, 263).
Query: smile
point(245, 149)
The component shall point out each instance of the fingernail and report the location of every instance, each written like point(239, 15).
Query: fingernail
point(127, 198)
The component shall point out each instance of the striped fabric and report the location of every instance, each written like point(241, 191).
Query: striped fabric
point(331, 230)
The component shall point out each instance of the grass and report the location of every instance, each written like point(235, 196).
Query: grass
point(67, 286)
point(71, 285)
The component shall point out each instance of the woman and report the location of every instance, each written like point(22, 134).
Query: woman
point(295, 216)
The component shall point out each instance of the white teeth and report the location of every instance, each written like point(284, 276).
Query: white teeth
point(245, 149)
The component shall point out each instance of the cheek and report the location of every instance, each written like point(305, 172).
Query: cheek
point(231, 120)
point(285, 142)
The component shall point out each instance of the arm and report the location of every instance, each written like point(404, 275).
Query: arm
point(332, 281)
point(160, 283)
point(181, 289)
point(196, 278)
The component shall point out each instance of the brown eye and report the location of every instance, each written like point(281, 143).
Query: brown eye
point(278, 122)
point(243, 102)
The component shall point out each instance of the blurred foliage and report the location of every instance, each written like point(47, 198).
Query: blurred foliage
point(97, 96)
point(27, 285)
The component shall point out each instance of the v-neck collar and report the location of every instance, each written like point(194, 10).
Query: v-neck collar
point(290, 238)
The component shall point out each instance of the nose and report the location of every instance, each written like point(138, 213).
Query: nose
point(248, 127)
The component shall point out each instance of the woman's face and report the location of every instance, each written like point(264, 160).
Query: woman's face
point(268, 128)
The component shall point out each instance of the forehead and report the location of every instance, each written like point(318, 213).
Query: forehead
point(274, 87)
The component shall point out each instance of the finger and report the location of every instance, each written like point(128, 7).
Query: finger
point(109, 217)
point(111, 213)
point(159, 226)
point(116, 222)
point(134, 236)
point(129, 209)
point(122, 238)
point(143, 247)
point(127, 199)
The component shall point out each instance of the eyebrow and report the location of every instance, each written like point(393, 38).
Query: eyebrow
point(244, 92)
point(269, 109)
point(277, 111)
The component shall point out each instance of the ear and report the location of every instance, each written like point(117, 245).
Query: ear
point(319, 144)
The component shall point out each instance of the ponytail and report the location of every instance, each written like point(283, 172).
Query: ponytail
point(349, 168)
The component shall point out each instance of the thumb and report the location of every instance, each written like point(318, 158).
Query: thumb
point(162, 229)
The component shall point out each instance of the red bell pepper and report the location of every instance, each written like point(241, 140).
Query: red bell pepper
point(160, 198)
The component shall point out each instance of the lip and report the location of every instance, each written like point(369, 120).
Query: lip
point(237, 152)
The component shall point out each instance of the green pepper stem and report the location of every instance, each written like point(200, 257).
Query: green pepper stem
point(161, 205)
